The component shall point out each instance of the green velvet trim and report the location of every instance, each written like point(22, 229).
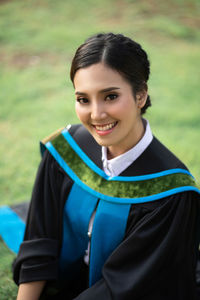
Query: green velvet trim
point(120, 189)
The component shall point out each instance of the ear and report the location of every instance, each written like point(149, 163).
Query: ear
point(141, 98)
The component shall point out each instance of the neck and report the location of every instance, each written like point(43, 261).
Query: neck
point(115, 150)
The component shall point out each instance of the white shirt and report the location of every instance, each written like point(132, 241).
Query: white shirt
point(116, 165)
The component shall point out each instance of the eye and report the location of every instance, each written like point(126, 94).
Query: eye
point(82, 100)
point(111, 97)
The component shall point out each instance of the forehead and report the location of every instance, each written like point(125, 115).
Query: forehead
point(98, 76)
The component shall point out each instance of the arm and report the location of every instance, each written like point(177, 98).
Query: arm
point(156, 260)
point(30, 290)
point(37, 259)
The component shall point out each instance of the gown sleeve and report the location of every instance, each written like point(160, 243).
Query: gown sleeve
point(157, 257)
point(38, 255)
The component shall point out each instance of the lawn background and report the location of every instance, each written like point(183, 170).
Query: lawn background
point(37, 42)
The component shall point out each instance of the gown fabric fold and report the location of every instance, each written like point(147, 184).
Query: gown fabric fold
point(158, 255)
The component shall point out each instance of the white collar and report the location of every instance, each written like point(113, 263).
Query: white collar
point(116, 165)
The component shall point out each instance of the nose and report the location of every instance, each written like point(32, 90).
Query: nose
point(98, 111)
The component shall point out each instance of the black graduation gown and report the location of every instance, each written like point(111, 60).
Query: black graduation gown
point(158, 255)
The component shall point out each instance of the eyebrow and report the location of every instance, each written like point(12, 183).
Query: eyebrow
point(101, 91)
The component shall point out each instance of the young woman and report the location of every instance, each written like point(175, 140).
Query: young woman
point(114, 214)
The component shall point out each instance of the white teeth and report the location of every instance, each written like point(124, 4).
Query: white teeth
point(106, 127)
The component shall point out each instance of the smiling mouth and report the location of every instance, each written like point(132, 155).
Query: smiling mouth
point(105, 127)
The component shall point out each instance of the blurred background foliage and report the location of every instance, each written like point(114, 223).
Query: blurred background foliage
point(37, 42)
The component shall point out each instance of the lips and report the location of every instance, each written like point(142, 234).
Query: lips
point(105, 127)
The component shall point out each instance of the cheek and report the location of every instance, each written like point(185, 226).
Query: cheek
point(81, 113)
point(78, 111)
point(122, 109)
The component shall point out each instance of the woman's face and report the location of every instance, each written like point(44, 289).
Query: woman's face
point(107, 108)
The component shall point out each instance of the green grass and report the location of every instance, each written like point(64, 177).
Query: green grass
point(37, 42)
point(8, 289)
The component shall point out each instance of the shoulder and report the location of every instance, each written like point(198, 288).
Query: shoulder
point(155, 158)
point(78, 132)
point(82, 137)
point(164, 157)
point(72, 129)
point(52, 136)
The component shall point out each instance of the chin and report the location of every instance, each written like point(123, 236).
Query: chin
point(101, 142)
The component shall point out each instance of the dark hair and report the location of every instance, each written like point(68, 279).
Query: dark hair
point(119, 53)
